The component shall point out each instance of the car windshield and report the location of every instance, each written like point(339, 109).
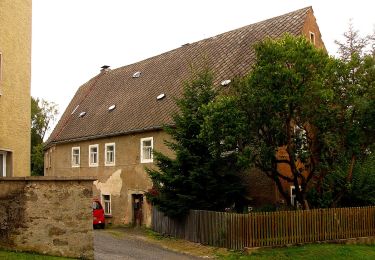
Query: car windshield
point(96, 205)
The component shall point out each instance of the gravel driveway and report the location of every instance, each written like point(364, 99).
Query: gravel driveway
point(110, 247)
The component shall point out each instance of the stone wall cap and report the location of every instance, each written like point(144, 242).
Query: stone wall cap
point(50, 178)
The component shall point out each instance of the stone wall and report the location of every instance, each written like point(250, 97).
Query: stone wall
point(48, 215)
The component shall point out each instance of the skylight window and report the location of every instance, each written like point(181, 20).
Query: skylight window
point(74, 110)
point(111, 107)
point(161, 96)
point(137, 74)
point(225, 82)
point(82, 114)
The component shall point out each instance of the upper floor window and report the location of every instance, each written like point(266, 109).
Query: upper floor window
point(93, 155)
point(75, 157)
point(110, 154)
point(147, 144)
point(312, 37)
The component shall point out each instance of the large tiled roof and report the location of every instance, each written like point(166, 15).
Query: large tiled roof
point(137, 109)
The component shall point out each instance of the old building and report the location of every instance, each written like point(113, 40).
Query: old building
point(115, 119)
point(15, 68)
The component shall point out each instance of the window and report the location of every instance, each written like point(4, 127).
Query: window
point(312, 37)
point(3, 164)
point(293, 195)
point(75, 157)
point(146, 150)
point(106, 201)
point(110, 154)
point(93, 155)
point(1, 69)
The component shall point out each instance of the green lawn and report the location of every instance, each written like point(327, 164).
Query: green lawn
point(8, 255)
point(312, 251)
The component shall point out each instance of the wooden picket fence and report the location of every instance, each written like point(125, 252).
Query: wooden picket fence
point(237, 231)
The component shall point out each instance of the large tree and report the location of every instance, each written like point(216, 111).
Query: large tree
point(349, 124)
point(43, 113)
point(193, 178)
point(275, 104)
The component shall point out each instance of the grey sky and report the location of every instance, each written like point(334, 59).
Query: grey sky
point(72, 39)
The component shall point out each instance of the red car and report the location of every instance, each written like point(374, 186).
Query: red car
point(98, 214)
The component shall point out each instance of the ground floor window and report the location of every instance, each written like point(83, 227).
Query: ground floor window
point(3, 164)
point(293, 195)
point(106, 199)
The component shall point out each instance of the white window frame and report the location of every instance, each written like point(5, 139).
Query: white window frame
point(143, 160)
point(106, 213)
point(1, 70)
point(313, 36)
point(91, 164)
point(106, 163)
point(4, 163)
point(293, 197)
point(79, 156)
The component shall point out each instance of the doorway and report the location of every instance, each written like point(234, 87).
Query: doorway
point(137, 209)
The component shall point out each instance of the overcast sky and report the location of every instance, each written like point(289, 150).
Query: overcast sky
point(72, 39)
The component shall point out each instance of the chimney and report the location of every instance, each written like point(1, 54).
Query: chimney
point(105, 68)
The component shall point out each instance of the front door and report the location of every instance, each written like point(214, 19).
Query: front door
point(137, 209)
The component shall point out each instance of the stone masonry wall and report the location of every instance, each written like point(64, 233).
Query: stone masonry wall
point(47, 215)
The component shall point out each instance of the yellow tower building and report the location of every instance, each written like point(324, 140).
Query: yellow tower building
point(15, 70)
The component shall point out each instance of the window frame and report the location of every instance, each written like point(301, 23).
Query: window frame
point(143, 160)
point(1, 70)
point(79, 156)
point(104, 204)
point(312, 39)
point(4, 170)
point(293, 196)
point(106, 163)
point(97, 155)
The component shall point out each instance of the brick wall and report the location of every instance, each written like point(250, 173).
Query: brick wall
point(47, 215)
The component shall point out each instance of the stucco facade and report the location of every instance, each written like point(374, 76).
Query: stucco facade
point(15, 67)
point(125, 181)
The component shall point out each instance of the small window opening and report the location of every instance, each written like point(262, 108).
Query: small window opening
point(312, 38)
point(225, 82)
point(161, 96)
point(82, 114)
point(137, 74)
point(111, 107)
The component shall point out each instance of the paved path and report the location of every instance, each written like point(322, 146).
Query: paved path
point(110, 247)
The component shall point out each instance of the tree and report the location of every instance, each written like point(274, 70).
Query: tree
point(349, 126)
point(273, 108)
point(43, 113)
point(194, 178)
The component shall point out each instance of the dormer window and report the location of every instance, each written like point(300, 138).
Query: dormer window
point(137, 74)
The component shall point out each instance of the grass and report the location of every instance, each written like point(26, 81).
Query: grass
point(10, 255)
point(311, 251)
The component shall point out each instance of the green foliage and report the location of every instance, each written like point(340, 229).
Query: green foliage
point(347, 128)
point(310, 251)
point(194, 178)
point(338, 190)
point(278, 100)
point(43, 113)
